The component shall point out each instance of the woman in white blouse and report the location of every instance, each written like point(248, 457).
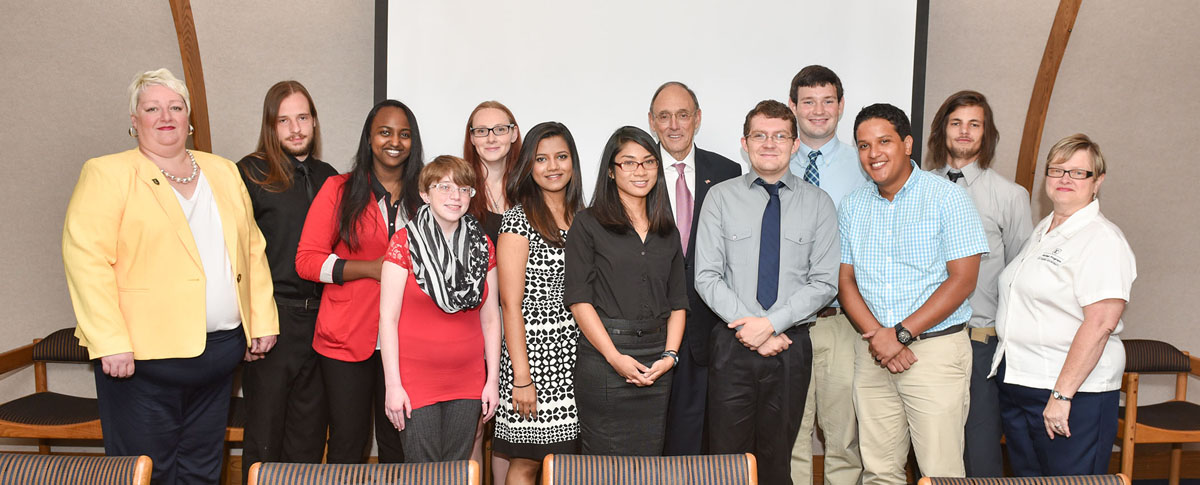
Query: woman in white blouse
point(1059, 360)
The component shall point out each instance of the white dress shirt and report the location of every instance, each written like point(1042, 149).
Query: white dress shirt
point(672, 174)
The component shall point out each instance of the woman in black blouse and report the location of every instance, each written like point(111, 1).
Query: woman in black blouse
point(625, 286)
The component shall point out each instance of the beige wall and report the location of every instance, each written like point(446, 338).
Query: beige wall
point(1128, 80)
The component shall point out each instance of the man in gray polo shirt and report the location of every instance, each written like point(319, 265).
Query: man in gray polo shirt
point(767, 259)
point(962, 143)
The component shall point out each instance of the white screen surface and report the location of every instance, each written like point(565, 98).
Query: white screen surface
point(594, 65)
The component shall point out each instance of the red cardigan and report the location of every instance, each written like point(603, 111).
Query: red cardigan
point(348, 321)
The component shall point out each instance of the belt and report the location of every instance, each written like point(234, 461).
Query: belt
point(305, 304)
point(981, 334)
point(949, 331)
point(829, 311)
point(639, 333)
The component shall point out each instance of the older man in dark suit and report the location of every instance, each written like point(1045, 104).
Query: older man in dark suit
point(675, 118)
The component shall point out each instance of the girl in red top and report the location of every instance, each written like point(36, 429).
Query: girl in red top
point(439, 327)
point(345, 235)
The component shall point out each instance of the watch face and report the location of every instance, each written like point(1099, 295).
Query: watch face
point(903, 335)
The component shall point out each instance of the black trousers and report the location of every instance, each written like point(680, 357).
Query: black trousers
point(981, 453)
point(756, 403)
point(355, 392)
point(685, 411)
point(286, 413)
point(173, 410)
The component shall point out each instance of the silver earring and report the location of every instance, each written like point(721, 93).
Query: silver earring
point(191, 129)
point(132, 132)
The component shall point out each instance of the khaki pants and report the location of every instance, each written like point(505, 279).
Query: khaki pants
point(831, 397)
point(928, 404)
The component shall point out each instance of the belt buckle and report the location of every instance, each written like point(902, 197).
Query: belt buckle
point(638, 332)
point(307, 307)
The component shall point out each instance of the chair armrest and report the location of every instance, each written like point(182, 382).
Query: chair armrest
point(23, 356)
point(1195, 365)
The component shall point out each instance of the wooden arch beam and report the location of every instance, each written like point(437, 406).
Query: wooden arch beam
point(193, 73)
point(1043, 87)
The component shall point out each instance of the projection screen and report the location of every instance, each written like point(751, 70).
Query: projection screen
point(594, 65)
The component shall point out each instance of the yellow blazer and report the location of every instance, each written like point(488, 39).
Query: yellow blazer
point(133, 270)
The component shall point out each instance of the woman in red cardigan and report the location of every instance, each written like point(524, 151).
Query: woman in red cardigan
point(345, 235)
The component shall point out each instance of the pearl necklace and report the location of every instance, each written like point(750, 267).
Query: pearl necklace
point(184, 180)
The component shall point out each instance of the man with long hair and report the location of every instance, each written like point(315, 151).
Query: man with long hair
point(285, 404)
point(962, 144)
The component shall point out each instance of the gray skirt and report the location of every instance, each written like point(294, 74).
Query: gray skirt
point(615, 417)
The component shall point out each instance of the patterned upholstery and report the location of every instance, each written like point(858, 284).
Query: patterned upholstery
point(1154, 356)
point(60, 346)
point(70, 470)
point(50, 409)
point(1076, 480)
point(447, 473)
point(650, 470)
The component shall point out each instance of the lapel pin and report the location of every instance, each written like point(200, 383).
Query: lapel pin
point(707, 181)
point(156, 181)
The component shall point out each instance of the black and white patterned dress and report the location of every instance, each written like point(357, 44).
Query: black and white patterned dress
point(550, 338)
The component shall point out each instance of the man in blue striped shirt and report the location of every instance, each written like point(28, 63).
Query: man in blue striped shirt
point(911, 247)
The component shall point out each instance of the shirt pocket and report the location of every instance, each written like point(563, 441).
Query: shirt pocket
point(795, 250)
point(739, 248)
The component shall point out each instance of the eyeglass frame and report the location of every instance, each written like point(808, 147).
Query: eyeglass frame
point(476, 130)
point(444, 189)
point(760, 137)
point(683, 116)
point(1069, 173)
point(636, 165)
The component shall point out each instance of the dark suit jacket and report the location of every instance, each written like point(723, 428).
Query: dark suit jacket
point(711, 169)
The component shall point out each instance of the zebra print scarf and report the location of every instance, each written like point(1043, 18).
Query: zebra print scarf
point(451, 272)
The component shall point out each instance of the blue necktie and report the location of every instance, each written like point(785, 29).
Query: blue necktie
point(768, 248)
point(811, 175)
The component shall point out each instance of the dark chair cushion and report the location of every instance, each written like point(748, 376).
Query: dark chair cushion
point(698, 470)
point(1171, 415)
point(60, 346)
point(1075, 480)
point(449, 473)
point(66, 470)
point(1154, 356)
point(50, 409)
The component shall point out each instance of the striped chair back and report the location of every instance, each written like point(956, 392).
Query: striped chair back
point(72, 470)
point(449, 473)
point(1117, 479)
point(650, 470)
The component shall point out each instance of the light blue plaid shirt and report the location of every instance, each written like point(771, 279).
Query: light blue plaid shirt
point(899, 248)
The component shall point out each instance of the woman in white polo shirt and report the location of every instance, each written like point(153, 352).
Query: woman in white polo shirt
point(1059, 360)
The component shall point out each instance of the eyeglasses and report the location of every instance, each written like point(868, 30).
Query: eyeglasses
point(760, 137)
point(445, 189)
point(498, 130)
point(681, 116)
point(630, 165)
point(1077, 174)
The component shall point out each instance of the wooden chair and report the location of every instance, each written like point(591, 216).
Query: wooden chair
point(46, 415)
point(1176, 421)
point(639, 470)
point(1118, 479)
point(27, 469)
point(464, 472)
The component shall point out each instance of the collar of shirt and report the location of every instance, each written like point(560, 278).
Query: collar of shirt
point(1079, 220)
point(380, 192)
point(971, 171)
point(912, 177)
point(789, 179)
point(829, 153)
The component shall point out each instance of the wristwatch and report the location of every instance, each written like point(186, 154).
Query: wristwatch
point(903, 335)
point(1056, 395)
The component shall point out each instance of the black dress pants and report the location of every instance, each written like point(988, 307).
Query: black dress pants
point(685, 412)
point(756, 403)
point(286, 414)
point(173, 410)
point(355, 392)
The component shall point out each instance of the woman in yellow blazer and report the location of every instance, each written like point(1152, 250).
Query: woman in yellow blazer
point(170, 284)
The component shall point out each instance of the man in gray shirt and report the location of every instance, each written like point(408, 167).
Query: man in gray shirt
point(767, 258)
point(962, 143)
